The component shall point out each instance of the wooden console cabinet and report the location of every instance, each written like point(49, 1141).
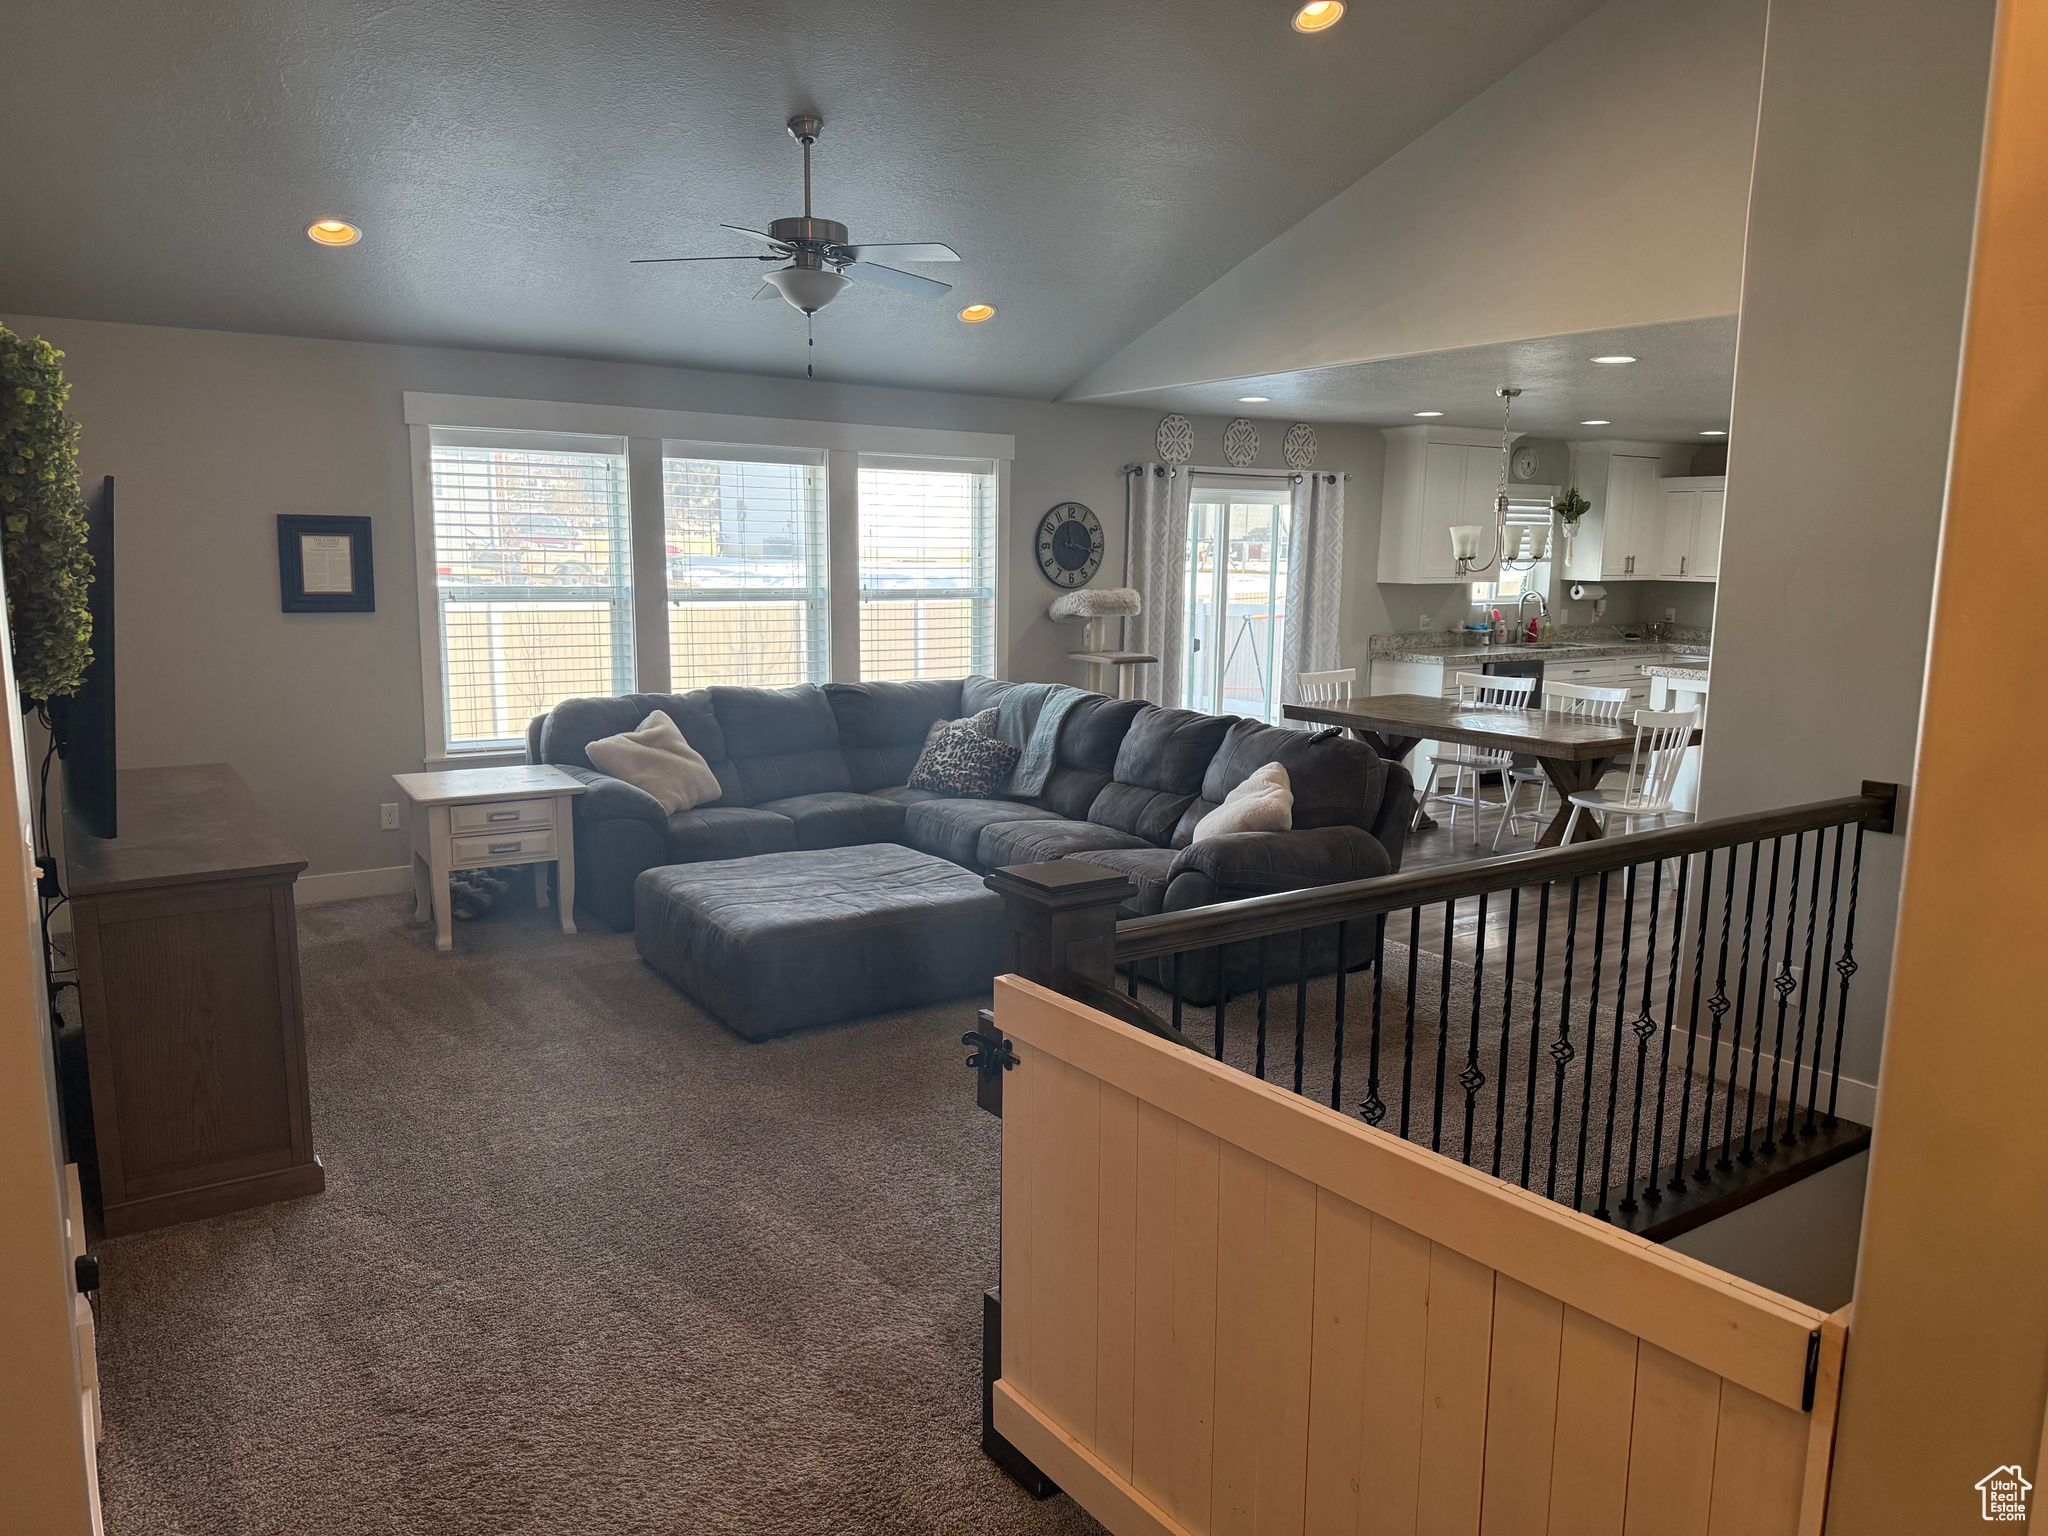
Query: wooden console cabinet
point(188, 979)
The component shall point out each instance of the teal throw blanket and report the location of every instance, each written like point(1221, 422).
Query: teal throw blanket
point(1028, 717)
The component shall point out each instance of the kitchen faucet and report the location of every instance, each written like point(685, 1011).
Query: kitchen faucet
point(1542, 612)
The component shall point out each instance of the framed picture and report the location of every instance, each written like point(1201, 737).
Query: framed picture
point(323, 564)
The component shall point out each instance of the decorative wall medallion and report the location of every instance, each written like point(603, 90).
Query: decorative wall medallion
point(1300, 448)
point(1240, 443)
point(1176, 439)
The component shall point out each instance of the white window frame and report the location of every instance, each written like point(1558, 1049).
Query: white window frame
point(989, 469)
point(1224, 492)
point(646, 430)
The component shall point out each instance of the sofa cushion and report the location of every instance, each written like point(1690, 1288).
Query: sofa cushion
point(1336, 781)
point(656, 758)
point(1039, 842)
point(883, 725)
point(964, 758)
point(727, 832)
point(904, 795)
point(1159, 770)
point(837, 819)
point(951, 829)
point(1150, 868)
point(570, 727)
point(783, 741)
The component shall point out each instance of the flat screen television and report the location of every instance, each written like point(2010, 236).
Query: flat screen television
point(83, 724)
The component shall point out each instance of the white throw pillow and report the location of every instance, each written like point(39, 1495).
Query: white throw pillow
point(657, 759)
point(1264, 802)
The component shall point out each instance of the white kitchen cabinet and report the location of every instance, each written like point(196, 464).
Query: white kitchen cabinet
point(1436, 478)
point(1621, 537)
point(1692, 528)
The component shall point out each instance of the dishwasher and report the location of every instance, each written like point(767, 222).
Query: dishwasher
point(1524, 763)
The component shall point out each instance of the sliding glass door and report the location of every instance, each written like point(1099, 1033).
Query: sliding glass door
point(1236, 599)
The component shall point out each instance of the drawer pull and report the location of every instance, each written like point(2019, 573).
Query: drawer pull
point(506, 847)
point(502, 816)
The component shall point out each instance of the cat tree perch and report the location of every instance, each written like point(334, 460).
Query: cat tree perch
point(1098, 606)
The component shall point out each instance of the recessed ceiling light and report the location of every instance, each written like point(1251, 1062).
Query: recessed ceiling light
point(333, 232)
point(1319, 15)
point(1596, 422)
point(974, 314)
point(1429, 413)
point(1615, 357)
point(1253, 399)
point(1711, 432)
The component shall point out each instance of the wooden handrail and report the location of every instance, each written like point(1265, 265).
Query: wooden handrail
point(1143, 938)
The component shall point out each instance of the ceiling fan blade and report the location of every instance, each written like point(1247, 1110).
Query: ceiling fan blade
point(915, 250)
point(642, 261)
point(903, 282)
point(757, 234)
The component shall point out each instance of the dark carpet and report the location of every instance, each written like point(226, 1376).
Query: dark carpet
point(586, 1262)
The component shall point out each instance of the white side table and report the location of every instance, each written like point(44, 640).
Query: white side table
point(479, 818)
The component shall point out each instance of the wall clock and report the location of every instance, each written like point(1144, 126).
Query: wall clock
point(1070, 545)
point(1175, 439)
point(1299, 449)
point(1240, 443)
point(1525, 463)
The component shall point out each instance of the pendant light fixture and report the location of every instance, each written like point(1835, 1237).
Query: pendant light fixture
point(1531, 542)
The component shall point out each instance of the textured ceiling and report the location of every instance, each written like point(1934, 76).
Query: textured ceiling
point(1679, 386)
point(1095, 163)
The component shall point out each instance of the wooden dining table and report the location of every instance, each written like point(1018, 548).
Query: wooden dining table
point(1574, 752)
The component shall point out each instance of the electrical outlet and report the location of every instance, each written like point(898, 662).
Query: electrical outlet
point(1670, 615)
point(388, 816)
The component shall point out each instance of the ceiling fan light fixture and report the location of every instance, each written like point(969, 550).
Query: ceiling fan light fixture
point(809, 289)
point(974, 314)
point(333, 232)
point(1319, 15)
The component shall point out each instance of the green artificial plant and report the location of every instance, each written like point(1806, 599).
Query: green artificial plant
point(42, 522)
point(1571, 506)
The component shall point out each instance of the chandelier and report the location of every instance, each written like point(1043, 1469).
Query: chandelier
point(1518, 548)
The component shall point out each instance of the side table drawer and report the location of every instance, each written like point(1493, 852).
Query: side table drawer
point(491, 815)
point(503, 848)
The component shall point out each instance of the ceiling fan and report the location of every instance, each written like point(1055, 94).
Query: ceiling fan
point(820, 261)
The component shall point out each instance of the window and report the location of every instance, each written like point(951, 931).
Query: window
point(927, 567)
point(1508, 586)
point(1235, 601)
point(746, 566)
point(533, 580)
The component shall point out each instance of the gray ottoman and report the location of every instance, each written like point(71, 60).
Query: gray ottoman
point(782, 941)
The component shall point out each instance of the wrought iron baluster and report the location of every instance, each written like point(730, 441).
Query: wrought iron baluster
point(1827, 966)
point(1131, 971)
point(1374, 1109)
point(1259, 1069)
point(1790, 1135)
point(1222, 1000)
point(1723, 1162)
point(1562, 1051)
point(1845, 968)
point(1472, 1079)
point(1718, 1005)
point(1507, 1008)
point(1443, 1016)
point(1408, 1039)
point(1535, 1030)
point(1628, 918)
point(1763, 982)
point(1692, 1029)
point(1300, 1002)
point(1653, 1192)
point(1592, 1045)
point(1177, 955)
point(1643, 1027)
point(1785, 986)
point(1343, 989)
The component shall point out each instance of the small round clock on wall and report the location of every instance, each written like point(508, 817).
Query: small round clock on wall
point(1070, 545)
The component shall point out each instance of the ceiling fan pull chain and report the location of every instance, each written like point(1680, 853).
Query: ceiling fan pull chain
point(809, 342)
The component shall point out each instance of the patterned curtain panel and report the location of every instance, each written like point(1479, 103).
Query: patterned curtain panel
point(1158, 509)
point(1315, 583)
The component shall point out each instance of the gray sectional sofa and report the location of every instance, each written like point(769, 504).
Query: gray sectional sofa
point(815, 767)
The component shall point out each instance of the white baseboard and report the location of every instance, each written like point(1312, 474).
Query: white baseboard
point(1856, 1101)
point(347, 884)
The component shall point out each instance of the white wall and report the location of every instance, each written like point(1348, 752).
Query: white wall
point(1601, 184)
point(1845, 376)
point(211, 434)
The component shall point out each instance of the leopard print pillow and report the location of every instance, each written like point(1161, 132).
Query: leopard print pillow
point(963, 760)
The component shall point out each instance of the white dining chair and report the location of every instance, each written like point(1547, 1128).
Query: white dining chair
point(1661, 740)
point(1475, 690)
point(1570, 701)
point(1328, 687)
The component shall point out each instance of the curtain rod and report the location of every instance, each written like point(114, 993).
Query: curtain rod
point(1225, 469)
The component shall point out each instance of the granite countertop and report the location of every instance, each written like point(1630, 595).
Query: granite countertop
point(1676, 674)
point(1670, 654)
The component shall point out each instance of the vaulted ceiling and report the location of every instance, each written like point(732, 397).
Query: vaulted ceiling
point(1095, 163)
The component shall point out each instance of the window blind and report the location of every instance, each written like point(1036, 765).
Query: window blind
point(533, 578)
point(746, 574)
point(927, 567)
